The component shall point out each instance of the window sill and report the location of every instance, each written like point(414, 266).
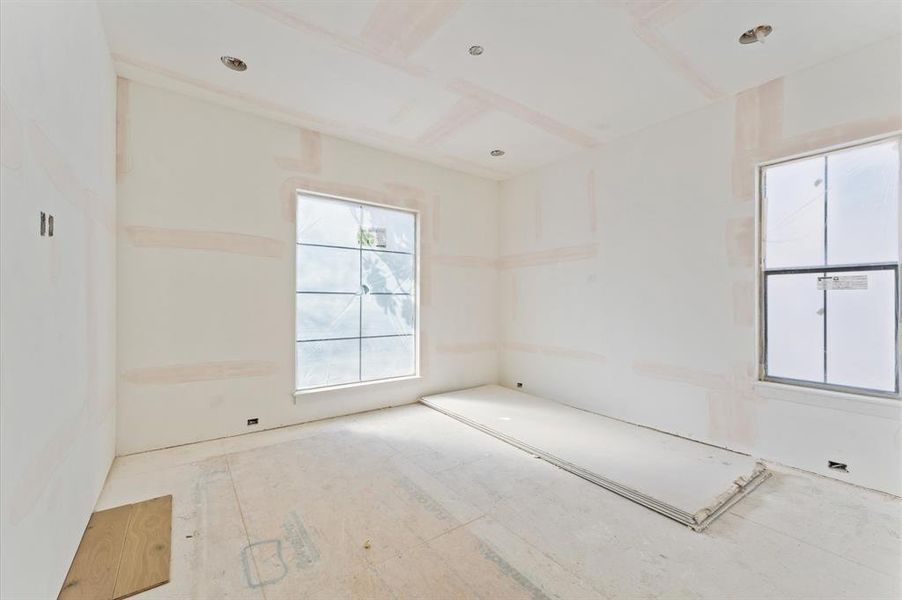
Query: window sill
point(349, 386)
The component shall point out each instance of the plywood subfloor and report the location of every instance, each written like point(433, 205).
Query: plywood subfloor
point(685, 480)
point(124, 551)
point(408, 503)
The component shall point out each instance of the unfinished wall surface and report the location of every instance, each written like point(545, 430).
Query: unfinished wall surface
point(57, 294)
point(207, 265)
point(627, 280)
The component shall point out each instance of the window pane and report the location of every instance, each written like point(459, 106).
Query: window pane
point(861, 338)
point(794, 235)
point(327, 221)
point(390, 229)
point(327, 363)
point(325, 316)
point(388, 357)
point(388, 272)
point(328, 269)
point(387, 315)
point(795, 327)
point(863, 205)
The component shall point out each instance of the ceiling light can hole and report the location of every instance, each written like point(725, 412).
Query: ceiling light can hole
point(756, 34)
point(476, 50)
point(497, 152)
point(235, 64)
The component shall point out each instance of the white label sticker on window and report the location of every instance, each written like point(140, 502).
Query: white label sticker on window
point(843, 282)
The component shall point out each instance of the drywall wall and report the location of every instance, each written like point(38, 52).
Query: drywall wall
point(57, 294)
point(206, 268)
point(627, 282)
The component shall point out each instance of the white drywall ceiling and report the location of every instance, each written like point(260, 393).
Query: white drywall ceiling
point(555, 76)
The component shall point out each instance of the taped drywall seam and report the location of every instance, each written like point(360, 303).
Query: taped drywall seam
point(309, 158)
point(548, 257)
point(347, 43)
point(467, 262)
point(12, 142)
point(647, 17)
point(740, 241)
point(833, 136)
point(659, 12)
point(62, 175)
point(194, 372)
point(289, 188)
point(758, 124)
point(465, 111)
point(537, 216)
point(122, 60)
point(515, 296)
point(241, 101)
point(678, 62)
point(436, 217)
point(522, 112)
point(466, 347)
point(743, 303)
point(555, 351)
point(401, 114)
point(592, 199)
point(398, 29)
point(394, 32)
point(123, 165)
point(733, 416)
point(733, 405)
point(666, 372)
point(220, 241)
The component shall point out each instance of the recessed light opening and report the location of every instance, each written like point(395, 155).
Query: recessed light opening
point(236, 64)
point(476, 50)
point(497, 152)
point(756, 35)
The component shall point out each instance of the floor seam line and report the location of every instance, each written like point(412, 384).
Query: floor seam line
point(542, 552)
point(247, 535)
point(455, 528)
point(807, 543)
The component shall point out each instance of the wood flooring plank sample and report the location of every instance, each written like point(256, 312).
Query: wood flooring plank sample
point(145, 555)
point(92, 575)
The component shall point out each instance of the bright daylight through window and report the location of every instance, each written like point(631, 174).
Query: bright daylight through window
point(830, 269)
point(356, 292)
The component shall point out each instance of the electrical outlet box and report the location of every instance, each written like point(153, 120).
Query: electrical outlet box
point(253, 421)
point(837, 466)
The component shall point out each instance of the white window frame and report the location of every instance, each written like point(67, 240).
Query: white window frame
point(416, 325)
point(761, 274)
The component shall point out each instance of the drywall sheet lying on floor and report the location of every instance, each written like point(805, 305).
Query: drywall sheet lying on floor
point(687, 481)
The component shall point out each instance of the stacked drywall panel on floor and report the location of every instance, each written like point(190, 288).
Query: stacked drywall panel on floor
point(689, 482)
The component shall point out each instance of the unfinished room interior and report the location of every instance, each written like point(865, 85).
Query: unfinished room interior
point(449, 299)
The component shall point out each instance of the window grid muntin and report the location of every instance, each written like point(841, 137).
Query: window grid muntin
point(414, 335)
point(765, 272)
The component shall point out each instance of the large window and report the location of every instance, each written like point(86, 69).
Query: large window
point(830, 269)
point(356, 292)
